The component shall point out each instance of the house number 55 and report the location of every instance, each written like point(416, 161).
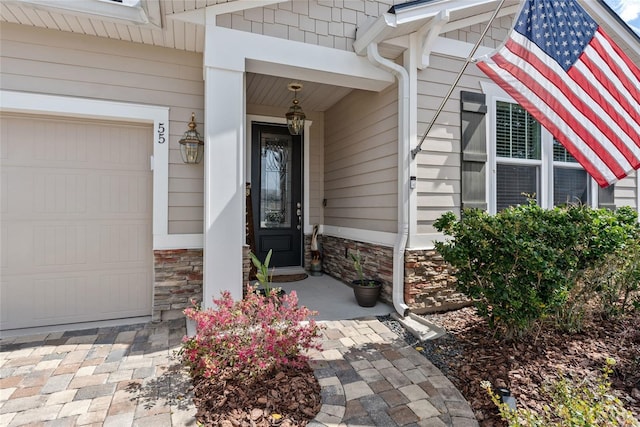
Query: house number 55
point(161, 138)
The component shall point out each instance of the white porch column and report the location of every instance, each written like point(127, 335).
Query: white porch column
point(224, 187)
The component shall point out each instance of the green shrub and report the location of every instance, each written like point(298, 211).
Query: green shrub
point(616, 281)
point(583, 404)
point(612, 272)
point(522, 264)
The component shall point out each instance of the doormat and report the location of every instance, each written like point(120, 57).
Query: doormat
point(282, 278)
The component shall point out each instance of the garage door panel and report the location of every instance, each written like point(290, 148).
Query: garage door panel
point(124, 194)
point(70, 143)
point(54, 194)
point(53, 300)
point(76, 229)
point(123, 244)
point(56, 247)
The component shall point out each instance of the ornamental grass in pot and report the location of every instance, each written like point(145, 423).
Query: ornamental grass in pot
point(366, 291)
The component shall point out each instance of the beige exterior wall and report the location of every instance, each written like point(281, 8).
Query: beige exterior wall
point(361, 161)
point(326, 23)
point(438, 164)
point(62, 63)
point(626, 191)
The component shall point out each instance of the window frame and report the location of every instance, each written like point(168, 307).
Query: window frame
point(546, 163)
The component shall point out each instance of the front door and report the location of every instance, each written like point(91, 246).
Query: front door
point(276, 193)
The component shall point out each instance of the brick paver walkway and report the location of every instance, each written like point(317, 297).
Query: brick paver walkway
point(370, 377)
point(130, 376)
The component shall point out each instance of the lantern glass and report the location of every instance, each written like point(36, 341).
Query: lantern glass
point(191, 144)
point(295, 119)
point(192, 152)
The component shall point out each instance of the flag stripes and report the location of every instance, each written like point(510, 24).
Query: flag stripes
point(591, 106)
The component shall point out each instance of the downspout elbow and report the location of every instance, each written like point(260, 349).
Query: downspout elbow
point(403, 174)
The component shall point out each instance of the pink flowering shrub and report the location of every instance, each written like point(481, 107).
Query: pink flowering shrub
point(250, 337)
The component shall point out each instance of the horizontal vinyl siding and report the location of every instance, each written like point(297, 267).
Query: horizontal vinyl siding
point(60, 63)
point(361, 161)
point(438, 164)
point(626, 191)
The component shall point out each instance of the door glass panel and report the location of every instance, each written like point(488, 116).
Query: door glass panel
point(275, 172)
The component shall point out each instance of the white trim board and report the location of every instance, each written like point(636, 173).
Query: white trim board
point(35, 103)
point(229, 49)
point(360, 235)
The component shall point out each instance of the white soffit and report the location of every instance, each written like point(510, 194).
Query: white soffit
point(140, 12)
point(198, 16)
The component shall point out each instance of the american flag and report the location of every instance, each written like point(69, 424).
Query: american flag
point(570, 75)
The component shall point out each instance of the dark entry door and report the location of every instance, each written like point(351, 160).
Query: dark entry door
point(276, 193)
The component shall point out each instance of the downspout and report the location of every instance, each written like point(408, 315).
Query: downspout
point(403, 173)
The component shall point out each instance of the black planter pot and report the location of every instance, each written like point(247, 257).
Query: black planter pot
point(366, 292)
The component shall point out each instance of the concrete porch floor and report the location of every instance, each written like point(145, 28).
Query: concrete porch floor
point(332, 299)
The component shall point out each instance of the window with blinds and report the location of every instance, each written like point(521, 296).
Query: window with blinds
point(518, 138)
point(560, 154)
point(527, 162)
point(517, 132)
point(515, 184)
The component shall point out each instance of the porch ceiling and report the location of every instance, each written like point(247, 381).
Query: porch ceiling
point(270, 90)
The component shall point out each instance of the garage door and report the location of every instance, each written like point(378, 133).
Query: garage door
point(75, 221)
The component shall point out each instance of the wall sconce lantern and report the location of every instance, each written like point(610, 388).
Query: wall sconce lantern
point(295, 116)
point(191, 144)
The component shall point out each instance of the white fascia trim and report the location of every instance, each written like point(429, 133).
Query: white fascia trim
point(443, 46)
point(382, 29)
point(198, 16)
point(305, 165)
point(242, 51)
point(479, 19)
point(595, 9)
point(34, 103)
point(357, 234)
point(376, 32)
point(127, 13)
point(427, 10)
point(178, 241)
point(456, 48)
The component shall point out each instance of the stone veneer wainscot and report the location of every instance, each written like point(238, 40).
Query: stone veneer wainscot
point(429, 283)
point(377, 262)
point(178, 280)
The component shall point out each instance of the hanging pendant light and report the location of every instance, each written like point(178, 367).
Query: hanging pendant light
point(191, 144)
point(295, 116)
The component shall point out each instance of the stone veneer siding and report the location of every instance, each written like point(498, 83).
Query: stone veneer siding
point(377, 262)
point(429, 283)
point(178, 280)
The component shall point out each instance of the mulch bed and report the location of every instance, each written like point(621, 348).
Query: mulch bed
point(469, 353)
point(288, 398)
